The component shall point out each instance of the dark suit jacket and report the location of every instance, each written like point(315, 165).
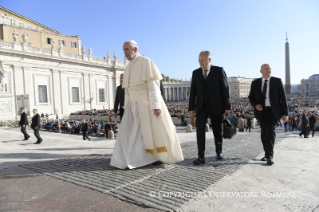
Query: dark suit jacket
point(107, 127)
point(119, 98)
point(218, 90)
point(24, 119)
point(85, 127)
point(312, 122)
point(162, 88)
point(277, 97)
point(36, 121)
point(305, 123)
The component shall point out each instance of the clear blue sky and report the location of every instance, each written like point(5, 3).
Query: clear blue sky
point(241, 34)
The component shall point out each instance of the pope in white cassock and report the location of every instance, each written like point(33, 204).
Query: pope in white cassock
point(147, 133)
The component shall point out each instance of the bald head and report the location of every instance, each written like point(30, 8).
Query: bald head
point(130, 49)
point(265, 70)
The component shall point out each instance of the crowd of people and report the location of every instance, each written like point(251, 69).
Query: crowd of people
point(73, 126)
point(240, 108)
point(94, 112)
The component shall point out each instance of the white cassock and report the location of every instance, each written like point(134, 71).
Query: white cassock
point(144, 138)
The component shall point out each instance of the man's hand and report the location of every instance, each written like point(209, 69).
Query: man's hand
point(259, 107)
point(191, 113)
point(19, 125)
point(23, 125)
point(227, 112)
point(35, 128)
point(157, 112)
point(284, 119)
point(115, 115)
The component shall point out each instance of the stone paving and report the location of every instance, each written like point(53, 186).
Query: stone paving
point(142, 186)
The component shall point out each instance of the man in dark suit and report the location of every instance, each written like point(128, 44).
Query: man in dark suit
point(305, 124)
point(162, 89)
point(312, 123)
point(248, 123)
point(85, 129)
point(35, 125)
point(119, 99)
point(209, 95)
point(267, 96)
point(23, 124)
point(107, 129)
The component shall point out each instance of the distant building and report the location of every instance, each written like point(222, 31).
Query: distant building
point(239, 86)
point(310, 86)
point(41, 68)
point(296, 90)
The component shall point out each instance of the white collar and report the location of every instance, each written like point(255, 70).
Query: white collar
point(136, 56)
point(208, 68)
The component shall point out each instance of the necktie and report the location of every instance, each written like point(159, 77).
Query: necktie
point(264, 92)
point(205, 73)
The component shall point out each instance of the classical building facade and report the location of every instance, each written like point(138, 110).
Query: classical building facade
point(310, 86)
point(40, 68)
point(176, 90)
point(239, 86)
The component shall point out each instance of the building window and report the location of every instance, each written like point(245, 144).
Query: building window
point(49, 40)
point(43, 96)
point(75, 94)
point(74, 45)
point(101, 95)
point(63, 42)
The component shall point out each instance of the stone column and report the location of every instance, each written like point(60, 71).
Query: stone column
point(110, 92)
point(27, 80)
point(288, 85)
point(56, 90)
point(177, 93)
point(165, 89)
point(18, 80)
point(92, 91)
point(65, 99)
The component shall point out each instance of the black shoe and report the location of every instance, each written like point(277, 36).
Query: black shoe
point(270, 162)
point(89, 139)
point(157, 163)
point(84, 139)
point(199, 160)
point(220, 157)
point(26, 138)
point(300, 135)
point(264, 159)
point(38, 142)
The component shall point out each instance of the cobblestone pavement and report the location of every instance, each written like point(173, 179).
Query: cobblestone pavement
point(156, 186)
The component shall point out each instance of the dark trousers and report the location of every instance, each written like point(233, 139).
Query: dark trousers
point(201, 121)
point(305, 133)
point(268, 135)
point(85, 135)
point(248, 127)
point(37, 134)
point(293, 126)
point(313, 133)
point(107, 133)
point(285, 127)
point(24, 131)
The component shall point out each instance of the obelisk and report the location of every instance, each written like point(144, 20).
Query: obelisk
point(287, 84)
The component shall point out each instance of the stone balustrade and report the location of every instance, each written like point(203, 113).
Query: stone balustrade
point(59, 54)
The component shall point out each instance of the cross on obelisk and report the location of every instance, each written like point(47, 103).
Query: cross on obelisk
point(287, 84)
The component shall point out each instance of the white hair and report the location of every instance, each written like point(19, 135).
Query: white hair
point(132, 42)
